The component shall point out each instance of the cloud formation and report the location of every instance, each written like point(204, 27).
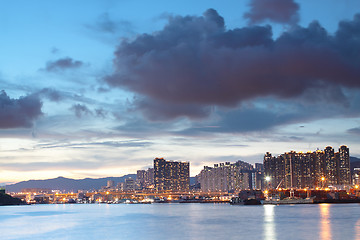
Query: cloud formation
point(156, 110)
point(109, 29)
point(51, 94)
point(19, 113)
point(63, 64)
point(105, 24)
point(355, 131)
point(115, 144)
point(81, 110)
point(268, 114)
point(195, 63)
point(279, 11)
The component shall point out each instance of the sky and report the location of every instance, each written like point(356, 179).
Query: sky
point(101, 88)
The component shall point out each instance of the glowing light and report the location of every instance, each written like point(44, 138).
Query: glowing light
point(325, 233)
point(267, 178)
point(269, 220)
point(266, 192)
point(322, 178)
point(356, 186)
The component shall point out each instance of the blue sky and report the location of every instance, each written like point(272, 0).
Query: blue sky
point(100, 88)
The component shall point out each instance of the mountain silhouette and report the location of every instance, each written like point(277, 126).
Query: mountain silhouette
point(67, 184)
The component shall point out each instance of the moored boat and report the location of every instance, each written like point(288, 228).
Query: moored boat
point(276, 200)
point(239, 201)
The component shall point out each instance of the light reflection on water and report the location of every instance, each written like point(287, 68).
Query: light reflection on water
point(181, 221)
point(325, 223)
point(269, 223)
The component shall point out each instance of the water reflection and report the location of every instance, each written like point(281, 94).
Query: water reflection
point(269, 223)
point(325, 227)
point(357, 230)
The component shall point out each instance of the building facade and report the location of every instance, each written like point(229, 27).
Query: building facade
point(312, 169)
point(171, 175)
point(229, 177)
point(145, 178)
point(129, 184)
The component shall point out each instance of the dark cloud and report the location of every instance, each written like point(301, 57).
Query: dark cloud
point(55, 50)
point(280, 11)
point(194, 63)
point(51, 94)
point(103, 90)
point(159, 111)
point(99, 112)
point(19, 113)
point(251, 119)
point(81, 110)
point(63, 64)
point(355, 131)
point(106, 24)
point(134, 126)
point(246, 119)
point(268, 114)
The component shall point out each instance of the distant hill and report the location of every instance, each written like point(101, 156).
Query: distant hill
point(354, 163)
point(354, 159)
point(66, 184)
point(192, 180)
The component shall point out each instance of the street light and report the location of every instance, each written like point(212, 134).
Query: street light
point(322, 182)
point(267, 179)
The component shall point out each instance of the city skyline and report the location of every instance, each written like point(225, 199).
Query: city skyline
point(329, 164)
point(100, 93)
point(315, 169)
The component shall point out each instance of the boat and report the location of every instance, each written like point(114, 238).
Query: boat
point(276, 200)
point(289, 201)
point(249, 201)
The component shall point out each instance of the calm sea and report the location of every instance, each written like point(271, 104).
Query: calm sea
point(180, 221)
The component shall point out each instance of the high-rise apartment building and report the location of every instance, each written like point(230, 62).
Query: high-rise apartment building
point(331, 166)
point(311, 169)
point(344, 166)
point(171, 175)
point(145, 178)
point(258, 176)
point(140, 178)
point(229, 177)
point(129, 184)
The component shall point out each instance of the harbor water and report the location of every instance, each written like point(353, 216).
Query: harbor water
point(180, 221)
